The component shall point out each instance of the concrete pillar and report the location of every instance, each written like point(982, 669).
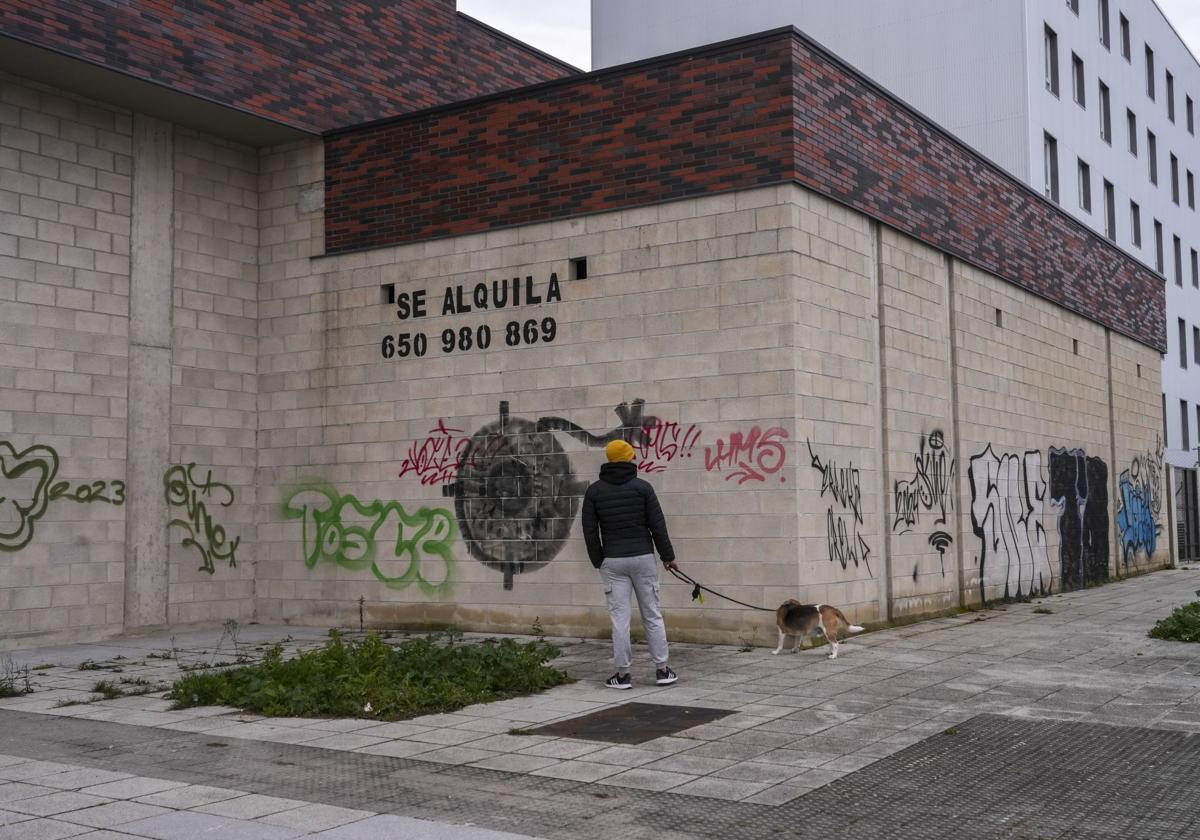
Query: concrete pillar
point(149, 424)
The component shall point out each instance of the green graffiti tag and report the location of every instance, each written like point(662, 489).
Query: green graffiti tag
point(208, 538)
point(343, 530)
point(27, 487)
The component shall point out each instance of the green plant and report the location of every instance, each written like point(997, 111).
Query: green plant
point(45, 666)
point(107, 689)
point(14, 680)
point(1043, 611)
point(539, 632)
point(1183, 625)
point(520, 732)
point(369, 678)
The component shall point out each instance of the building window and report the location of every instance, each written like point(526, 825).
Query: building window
point(1170, 96)
point(1105, 39)
point(1183, 350)
point(1085, 186)
point(1191, 182)
point(1190, 107)
point(1178, 261)
point(1126, 48)
point(1110, 212)
point(1174, 179)
point(1158, 247)
point(1105, 115)
point(1135, 223)
point(1149, 72)
point(1195, 269)
point(1152, 155)
point(1073, 5)
point(1183, 425)
point(1131, 123)
point(1051, 61)
point(1050, 150)
point(1196, 350)
point(1078, 82)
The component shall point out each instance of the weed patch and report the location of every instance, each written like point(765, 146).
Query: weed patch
point(14, 681)
point(1183, 625)
point(368, 678)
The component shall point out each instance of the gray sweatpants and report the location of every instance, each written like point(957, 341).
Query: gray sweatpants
point(623, 576)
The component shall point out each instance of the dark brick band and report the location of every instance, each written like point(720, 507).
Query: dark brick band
point(313, 64)
point(769, 109)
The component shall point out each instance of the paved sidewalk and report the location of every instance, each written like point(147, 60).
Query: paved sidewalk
point(1075, 663)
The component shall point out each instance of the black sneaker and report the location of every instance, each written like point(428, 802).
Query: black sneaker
point(620, 681)
point(664, 676)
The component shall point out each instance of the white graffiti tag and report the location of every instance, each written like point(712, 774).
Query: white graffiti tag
point(1008, 499)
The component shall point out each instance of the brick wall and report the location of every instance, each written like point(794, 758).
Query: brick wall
point(314, 65)
point(762, 110)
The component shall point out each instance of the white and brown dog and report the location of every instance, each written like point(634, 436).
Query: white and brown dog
point(799, 620)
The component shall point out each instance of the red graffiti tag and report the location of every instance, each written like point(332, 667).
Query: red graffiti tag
point(753, 456)
point(436, 459)
point(663, 442)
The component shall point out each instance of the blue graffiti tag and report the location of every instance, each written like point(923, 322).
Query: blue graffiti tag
point(1135, 519)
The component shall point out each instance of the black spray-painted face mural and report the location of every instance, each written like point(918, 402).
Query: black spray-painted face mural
point(516, 495)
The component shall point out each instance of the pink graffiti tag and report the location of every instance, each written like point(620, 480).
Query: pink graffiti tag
point(663, 442)
point(436, 459)
point(755, 455)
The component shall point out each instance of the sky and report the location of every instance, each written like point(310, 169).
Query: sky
point(561, 27)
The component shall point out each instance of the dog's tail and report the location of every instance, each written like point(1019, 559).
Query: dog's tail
point(854, 628)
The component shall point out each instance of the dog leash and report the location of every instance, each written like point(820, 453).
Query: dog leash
point(697, 587)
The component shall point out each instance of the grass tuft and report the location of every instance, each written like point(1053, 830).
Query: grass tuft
point(1183, 625)
point(368, 678)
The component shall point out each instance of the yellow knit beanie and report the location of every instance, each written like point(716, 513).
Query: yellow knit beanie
point(619, 450)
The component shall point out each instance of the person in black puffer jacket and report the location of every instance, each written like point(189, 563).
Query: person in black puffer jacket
point(622, 525)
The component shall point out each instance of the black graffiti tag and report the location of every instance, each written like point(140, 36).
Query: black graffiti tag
point(846, 544)
point(930, 487)
point(201, 532)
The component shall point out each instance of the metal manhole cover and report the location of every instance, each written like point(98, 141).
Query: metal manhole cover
point(632, 723)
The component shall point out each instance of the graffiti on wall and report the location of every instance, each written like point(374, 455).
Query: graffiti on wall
point(664, 442)
point(841, 484)
point(516, 495)
point(1008, 496)
point(393, 543)
point(1079, 492)
point(752, 456)
point(436, 459)
point(183, 490)
point(929, 491)
point(28, 487)
point(1141, 504)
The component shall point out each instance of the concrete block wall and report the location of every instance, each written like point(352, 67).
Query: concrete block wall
point(687, 307)
point(214, 399)
point(206, 378)
point(921, 486)
point(128, 351)
point(65, 191)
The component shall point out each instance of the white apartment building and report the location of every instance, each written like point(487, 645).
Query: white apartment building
point(1094, 102)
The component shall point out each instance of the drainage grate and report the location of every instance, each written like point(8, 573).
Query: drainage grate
point(632, 723)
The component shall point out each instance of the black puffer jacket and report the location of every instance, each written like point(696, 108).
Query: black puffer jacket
point(621, 516)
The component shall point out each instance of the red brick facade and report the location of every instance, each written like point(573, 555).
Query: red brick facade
point(311, 64)
point(769, 109)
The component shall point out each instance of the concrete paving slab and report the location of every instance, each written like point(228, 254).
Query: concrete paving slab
point(389, 827)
